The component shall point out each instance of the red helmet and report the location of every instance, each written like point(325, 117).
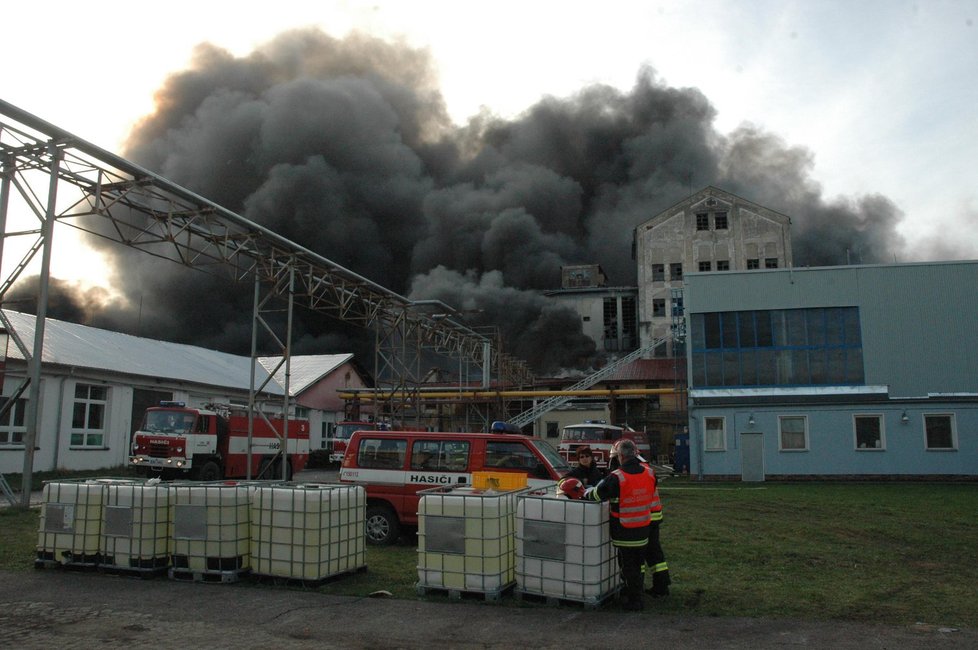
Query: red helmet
point(571, 487)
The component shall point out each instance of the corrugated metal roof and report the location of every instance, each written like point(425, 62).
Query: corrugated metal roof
point(650, 370)
point(70, 344)
point(305, 370)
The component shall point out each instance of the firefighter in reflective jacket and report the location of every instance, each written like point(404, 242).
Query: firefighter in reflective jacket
point(655, 558)
point(630, 489)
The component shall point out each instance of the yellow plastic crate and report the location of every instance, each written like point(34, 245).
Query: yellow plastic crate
point(498, 481)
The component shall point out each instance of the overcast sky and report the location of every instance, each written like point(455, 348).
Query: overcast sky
point(882, 92)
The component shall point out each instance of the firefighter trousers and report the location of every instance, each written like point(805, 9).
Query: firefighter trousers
point(655, 563)
point(631, 559)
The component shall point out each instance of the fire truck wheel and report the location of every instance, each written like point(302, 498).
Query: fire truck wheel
point(210, 471)
point(383, 528)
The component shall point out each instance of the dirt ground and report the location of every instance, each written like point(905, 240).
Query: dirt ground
point(49, 608)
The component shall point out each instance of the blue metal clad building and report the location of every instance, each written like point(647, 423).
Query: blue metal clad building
point(854, 371)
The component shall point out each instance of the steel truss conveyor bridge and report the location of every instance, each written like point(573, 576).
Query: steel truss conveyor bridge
point(58, 178)
point(531, 415)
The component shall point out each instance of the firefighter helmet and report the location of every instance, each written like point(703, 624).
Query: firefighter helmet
point(571, 487)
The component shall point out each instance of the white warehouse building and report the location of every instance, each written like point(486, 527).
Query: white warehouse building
point(95, 385)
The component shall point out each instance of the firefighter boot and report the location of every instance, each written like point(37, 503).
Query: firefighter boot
point(633, 595)
point(660, 584)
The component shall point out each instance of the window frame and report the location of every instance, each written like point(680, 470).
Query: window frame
point(702, 221)
point(658, 273)
point(706, 433)
point(770, 262)
point(676, 272)
point(753, 263)
point(9, 428)
point(86, 437)
point(705, 266)
point(656, 311)
point(552, 424)
point(372, 453)
point(724, 262)
point(781, 432)
point(721, 221)
point(882, 431)
point(954, 431)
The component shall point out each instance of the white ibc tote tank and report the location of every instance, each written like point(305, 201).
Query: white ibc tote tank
point(136, 526)
point(308, 531)
point(563, 548)
point(466, 539)
point(71, 521)
point(211, 529)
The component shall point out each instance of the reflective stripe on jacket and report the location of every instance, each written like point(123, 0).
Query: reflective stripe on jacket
point(656, 501)
point(636, 494)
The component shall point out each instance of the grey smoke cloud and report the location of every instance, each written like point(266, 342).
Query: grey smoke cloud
point(344, 146)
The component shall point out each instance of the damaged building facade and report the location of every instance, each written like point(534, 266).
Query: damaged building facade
point(712, 230)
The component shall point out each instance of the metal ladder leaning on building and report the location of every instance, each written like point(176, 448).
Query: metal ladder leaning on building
point(551, 403)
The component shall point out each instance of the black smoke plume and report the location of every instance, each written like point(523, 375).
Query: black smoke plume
point(345, 147)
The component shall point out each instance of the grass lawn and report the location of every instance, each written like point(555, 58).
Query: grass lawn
point(894, 553)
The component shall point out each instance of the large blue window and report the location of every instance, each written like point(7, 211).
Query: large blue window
point(780, 347)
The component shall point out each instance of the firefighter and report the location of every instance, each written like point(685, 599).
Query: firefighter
point(655, 557)
point(630, 489)
point(586, 471)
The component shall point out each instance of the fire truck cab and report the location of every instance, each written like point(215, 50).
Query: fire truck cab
point(341, 437)
point(599, 436)
point(394, 465)
point(210, 443)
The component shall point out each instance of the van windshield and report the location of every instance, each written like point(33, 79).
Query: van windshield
point(556, 460)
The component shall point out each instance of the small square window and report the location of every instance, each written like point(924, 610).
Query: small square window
point(869, 431)
point(793, 433)
point(723, 265)
point(720, 221)
point(658, 272)
point(675, 271)
point(658, 307)
point(715, 438)
point(702, 221)
point(939, 432)
point(771, 263)
point(705, 267)
point(753, 263)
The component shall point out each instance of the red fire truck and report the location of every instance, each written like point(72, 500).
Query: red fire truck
point(210, 443)
point(599, 436)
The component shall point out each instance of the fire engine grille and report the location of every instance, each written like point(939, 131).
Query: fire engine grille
point(159, 451)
